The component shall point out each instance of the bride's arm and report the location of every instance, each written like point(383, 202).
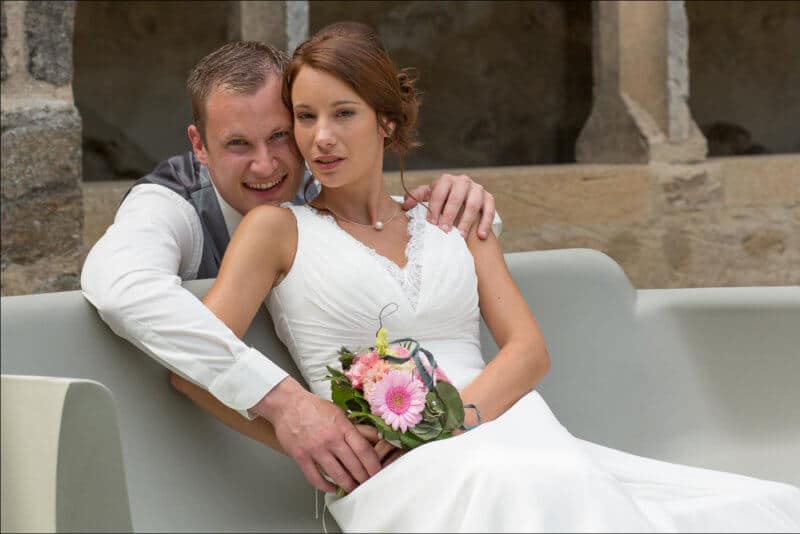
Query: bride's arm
point(260, 252)
point(258, 429)
point(522, 360)
point(314, 432)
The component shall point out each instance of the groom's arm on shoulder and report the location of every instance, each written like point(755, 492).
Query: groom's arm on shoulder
point(133, 277)
point(457, 200)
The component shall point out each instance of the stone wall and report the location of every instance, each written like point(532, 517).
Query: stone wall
point(42, 208)
point(641, 84)
point(745, 75)
point(131, 64)
point(504, 83)
point(724, 222)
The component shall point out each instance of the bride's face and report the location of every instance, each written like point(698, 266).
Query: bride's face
point(336, 130)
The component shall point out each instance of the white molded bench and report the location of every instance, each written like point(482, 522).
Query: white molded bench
point(706, 377)
point(62, 462)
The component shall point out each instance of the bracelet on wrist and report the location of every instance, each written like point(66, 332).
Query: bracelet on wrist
point(477, 413)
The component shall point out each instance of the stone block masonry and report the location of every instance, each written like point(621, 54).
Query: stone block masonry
point(40, 184)
point(723, 222)
point(641, 86)
point(48, 30)
point(644, 192)
point(3, 33)
point(41, 211)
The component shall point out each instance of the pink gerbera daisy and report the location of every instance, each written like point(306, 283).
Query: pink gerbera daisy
point(399, 399)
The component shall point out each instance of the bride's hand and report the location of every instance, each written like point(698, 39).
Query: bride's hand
point(387, 453)
point(392, 456)
point(382, 447)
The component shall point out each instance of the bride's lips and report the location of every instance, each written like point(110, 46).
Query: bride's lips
point(326, 163)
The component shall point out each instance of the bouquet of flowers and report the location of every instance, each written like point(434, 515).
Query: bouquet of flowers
point(397, 387)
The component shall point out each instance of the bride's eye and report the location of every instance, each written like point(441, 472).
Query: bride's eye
point(345, 113)
point(303, 116)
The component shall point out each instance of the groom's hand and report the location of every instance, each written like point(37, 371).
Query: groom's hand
point(387, 453)
point(450, 195)
point(318, 436)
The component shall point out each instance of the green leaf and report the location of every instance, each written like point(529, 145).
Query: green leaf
point(340, 395)
point(454, 407)
point(427, 429)
point(388, 432)
point(358, 398)
point(357, 404)
point(434, 416)
point(410, 441)
point(346, 357)
point(335, 374)
point(433, 406)
point(342, 391)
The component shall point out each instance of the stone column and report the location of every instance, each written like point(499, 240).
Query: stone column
point(283, 24)
point(641, 86)
point(42, 205)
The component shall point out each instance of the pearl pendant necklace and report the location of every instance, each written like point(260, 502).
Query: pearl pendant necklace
point(377, 225)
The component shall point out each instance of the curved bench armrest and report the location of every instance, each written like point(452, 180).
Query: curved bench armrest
point(62, 466)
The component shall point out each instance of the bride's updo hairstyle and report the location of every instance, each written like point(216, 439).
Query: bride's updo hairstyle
point(352, 52)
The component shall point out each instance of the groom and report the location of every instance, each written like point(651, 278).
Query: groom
point(175, 224)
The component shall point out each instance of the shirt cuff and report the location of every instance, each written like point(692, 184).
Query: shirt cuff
point(247, 381)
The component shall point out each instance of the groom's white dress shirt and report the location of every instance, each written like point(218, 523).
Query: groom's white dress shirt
point(133, 277)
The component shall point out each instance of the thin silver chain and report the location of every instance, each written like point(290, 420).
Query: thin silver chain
point(377, 225)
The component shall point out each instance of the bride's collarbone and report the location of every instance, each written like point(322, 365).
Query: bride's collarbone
point(390, 242)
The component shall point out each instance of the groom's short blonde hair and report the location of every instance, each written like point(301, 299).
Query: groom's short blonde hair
point(242, 67)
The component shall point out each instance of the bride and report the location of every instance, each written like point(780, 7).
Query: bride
point(326, 269)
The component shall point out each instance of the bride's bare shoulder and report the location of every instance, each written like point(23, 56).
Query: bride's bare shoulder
point(268, 214)
point(269, 227)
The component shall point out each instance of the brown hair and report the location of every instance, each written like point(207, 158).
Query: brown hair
point(352, 52)
point(242, 67)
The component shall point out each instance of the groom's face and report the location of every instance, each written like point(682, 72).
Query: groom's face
point(249, 148)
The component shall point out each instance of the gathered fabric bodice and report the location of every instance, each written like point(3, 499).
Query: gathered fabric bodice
point(337, 287)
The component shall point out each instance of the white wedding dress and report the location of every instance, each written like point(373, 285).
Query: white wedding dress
point(520, 472)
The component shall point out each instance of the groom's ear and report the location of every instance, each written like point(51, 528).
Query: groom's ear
point(198, 145)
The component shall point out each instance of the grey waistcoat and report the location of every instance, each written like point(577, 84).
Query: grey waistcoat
point(185, 175)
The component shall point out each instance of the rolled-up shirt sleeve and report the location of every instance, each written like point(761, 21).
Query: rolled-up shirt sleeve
point(133, 277)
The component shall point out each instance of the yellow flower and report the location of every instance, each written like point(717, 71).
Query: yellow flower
point(382, 341)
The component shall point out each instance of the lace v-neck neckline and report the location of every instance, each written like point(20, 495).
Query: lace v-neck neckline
point(408, 277)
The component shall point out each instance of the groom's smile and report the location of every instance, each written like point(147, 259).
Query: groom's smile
point(272, 186)
point(248, 147)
